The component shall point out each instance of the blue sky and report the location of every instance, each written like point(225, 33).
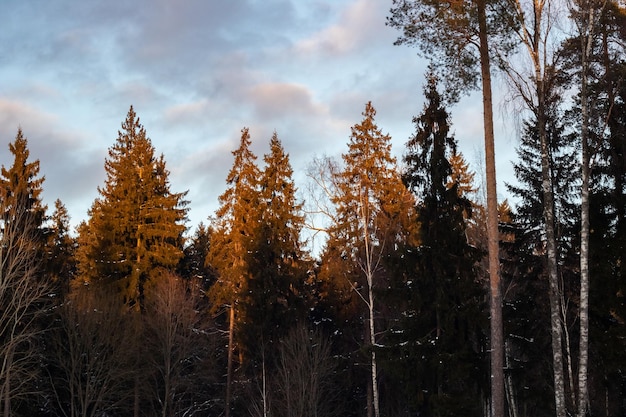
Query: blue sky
point(196, 72)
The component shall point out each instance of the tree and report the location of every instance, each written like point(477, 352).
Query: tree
point(459, 35)
point(442, 325)
point(20, 188)
point(526, 274)
point(23, 294)
point(304, 373)
point(372, 212)
point(279, 266)
point(595, 62)
point(534, 85)
point(177, 344)
point(92, 348)
point(193, 265)
point(235, 228)
point(136, 225)
point(59, 262)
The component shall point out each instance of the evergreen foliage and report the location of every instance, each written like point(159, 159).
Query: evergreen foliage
point(279, 266)
point(442, 329)
point(20, 187)
point(136, 225)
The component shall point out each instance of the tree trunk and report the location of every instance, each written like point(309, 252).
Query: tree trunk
point(583, 394)
point(372, 335)
point(551, 248)
point(497, 338)
point(229, 365)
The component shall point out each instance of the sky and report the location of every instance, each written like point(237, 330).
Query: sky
point(197, 72)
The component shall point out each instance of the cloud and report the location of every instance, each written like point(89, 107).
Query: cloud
point(278, 100)
point(71, 167)
point(358, 27)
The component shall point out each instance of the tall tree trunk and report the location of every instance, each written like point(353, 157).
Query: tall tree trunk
point(588, 13)
point(496, 325)
point(372, 335)
point(551, 249)
point(229, 365)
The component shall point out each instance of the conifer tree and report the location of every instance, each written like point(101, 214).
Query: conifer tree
point(193, 265)
point(23, 292)
point(20, 189)
point(235, 230)
point(373, 208)
point(279, 267)
point(137, 222)
point(60, 262)
point(443, 325)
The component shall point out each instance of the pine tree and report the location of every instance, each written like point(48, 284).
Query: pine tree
point(235, 230)
point(444, 320)
point(136, 224)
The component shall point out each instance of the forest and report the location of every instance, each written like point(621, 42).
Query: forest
point(427, 297)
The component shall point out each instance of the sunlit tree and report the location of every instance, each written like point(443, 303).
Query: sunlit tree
point(136, 224)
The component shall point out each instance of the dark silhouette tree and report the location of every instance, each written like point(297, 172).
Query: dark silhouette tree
point(442, 329)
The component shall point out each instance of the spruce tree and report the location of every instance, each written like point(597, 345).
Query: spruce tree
point(232, 247)
point(20, 190)
point(136, 224)
point(444, 322)
point(279, 267)
point(60, 262)
point(372, 212)
point(524, 263)
point(193, 265)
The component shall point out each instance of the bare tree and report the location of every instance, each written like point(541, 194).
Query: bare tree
point(22, 305)
point(93, 352)
point(175, 338)
point(303, 375)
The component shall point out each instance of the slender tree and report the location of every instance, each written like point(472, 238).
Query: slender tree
point(177, 342)
point(534, 84)
point(526, 277)
point(235, 229)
